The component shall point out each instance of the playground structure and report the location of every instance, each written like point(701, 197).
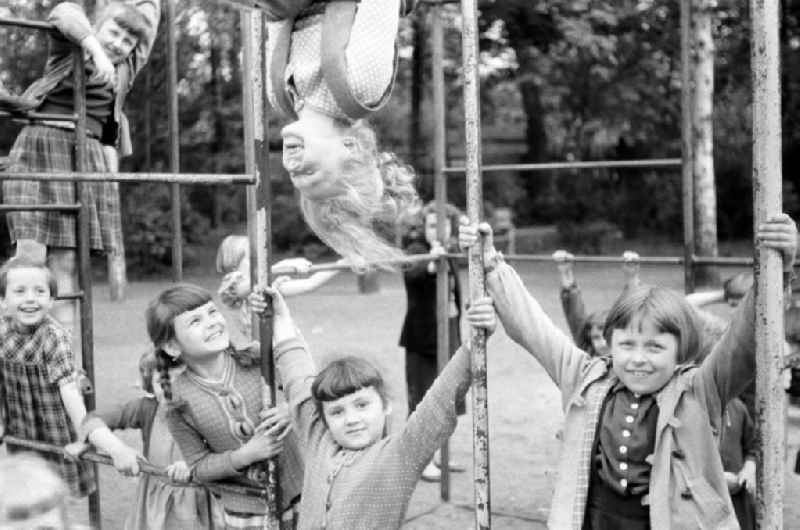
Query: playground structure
point(767, 185)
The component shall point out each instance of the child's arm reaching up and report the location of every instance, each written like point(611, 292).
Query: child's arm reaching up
point(295, 286)
point(523, 318)
point(571, 297)
point(731, 365)
point(434, 419)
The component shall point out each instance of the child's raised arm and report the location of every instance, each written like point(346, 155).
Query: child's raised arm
point(523, 318)
point(571, 297)
point(731, 366)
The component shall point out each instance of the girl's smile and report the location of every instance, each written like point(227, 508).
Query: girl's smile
point(201, 332)
point(643, 357)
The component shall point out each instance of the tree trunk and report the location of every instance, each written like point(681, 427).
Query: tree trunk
point(417, 83)
point(219, 132)
point(705, 196)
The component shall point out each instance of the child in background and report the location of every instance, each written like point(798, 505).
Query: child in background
point(737, 447)
point(39, 395)
point(356, 475)
point(418, 335)
point(216, 405)
point(349, 190)
point(587, 329)
point(639, 451)
point(233, 260)
point(32, 495)
point(160, 504)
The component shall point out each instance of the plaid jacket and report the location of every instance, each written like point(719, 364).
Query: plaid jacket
point(74, 26)
point(687, 486)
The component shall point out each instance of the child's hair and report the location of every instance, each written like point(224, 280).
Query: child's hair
point(231, 252)
point(24, 262)
point(451, 212)
point(148, 364)
point(667, 310)
point(735, 287)
point(349, 222)
point(29, 488)
point(792, 324)
point(596, 319)
point(160, 318)
point(345, 376)
point(127, 17)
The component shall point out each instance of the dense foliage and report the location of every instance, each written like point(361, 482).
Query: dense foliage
point(563, 79)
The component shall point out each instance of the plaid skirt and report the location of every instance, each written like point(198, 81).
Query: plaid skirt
point(40, 148)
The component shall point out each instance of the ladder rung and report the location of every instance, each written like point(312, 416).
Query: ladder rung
point(71, 296)
point(23, 23)
point(174, 178)
point(38, 116)
point(39, 207)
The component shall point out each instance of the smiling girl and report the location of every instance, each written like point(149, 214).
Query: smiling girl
point(217, 411)
point(639, 444)
point(357, 476)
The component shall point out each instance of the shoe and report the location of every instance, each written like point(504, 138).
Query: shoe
point(431, 473)
point(452, 466)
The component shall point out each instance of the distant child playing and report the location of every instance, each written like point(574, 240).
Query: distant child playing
point(216, 410)
point(357, 476)
point(328, 72)
point(737, 447)
point(233, 260)
point(40, 398)
point(160, 504)
point(639, 451)
point(418, 335)
point(587, 328)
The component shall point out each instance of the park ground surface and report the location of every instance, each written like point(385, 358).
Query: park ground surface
point(524, 409)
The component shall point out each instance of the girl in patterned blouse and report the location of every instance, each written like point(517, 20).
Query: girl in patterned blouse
point(348, 187)
point(217, 409)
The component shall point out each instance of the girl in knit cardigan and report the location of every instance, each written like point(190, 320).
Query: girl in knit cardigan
point(639, 448)
point(357, 476)
point(217, 410)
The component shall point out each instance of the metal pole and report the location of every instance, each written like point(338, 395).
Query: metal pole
point(174, 143)
point(440, 193)
point(585, 164)
point(472, 125)
point(259, 201)
point(770, 397)
point(84, 263)
point(687, 179)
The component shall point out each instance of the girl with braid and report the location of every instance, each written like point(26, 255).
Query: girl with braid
point(216, 403)
point(160, 503)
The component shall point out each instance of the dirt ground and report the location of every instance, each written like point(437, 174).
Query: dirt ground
point(523, 402)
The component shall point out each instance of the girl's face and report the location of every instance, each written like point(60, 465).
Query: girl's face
point(643, 358)
point(357, 420)
point(200, 333)
point(430, 229)
point(599, 344)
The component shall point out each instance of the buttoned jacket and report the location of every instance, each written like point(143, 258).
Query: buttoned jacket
point(687, 486)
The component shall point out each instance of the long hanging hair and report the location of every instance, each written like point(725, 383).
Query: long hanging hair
point(378, 187)
point(160, 318)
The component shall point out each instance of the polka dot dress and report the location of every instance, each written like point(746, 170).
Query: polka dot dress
point(370, 57)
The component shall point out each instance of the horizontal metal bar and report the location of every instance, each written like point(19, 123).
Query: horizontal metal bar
point(596, 164)
point(249, 4)
point(23, 23)
point(38, 116)
point(39, 207)
point(178, 178)
point(145, 467)
point(291, 271)
point(725, 261)
point(644, 260)
point(78, 295)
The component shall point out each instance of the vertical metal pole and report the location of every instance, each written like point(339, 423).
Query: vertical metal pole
point(767, 179)
point(174, 143)
point(259, 205)
point(84, 263)
point(472, 124)
point(687, 143)
point(440, 194)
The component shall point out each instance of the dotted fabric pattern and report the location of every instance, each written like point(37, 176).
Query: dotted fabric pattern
point(370, 57)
